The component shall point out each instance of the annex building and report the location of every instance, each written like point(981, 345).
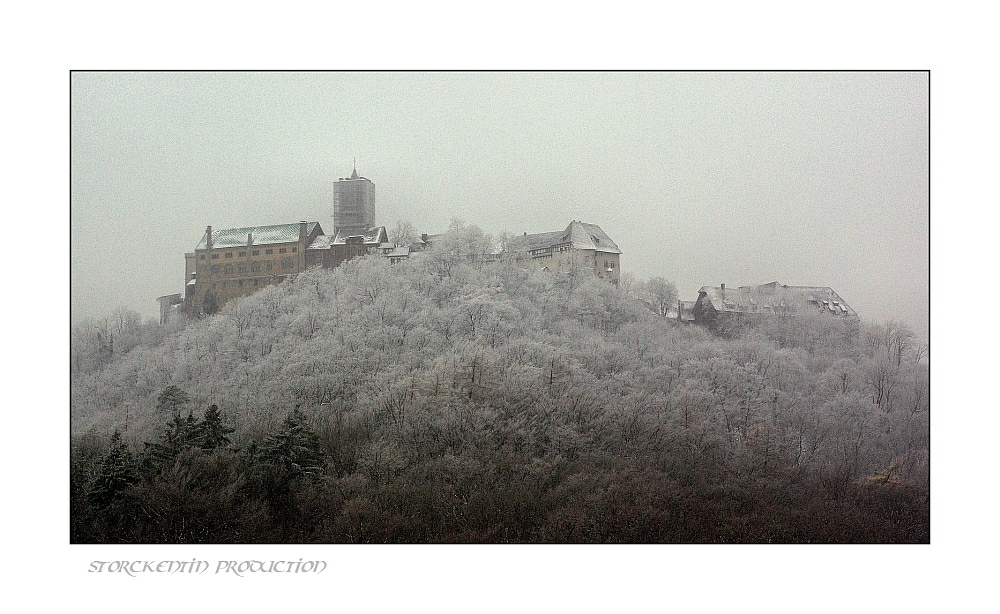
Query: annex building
point(716, 306)
point(580, 244)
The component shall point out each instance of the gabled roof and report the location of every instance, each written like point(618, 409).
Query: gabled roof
point(590, 236)
point(262, 235)
point(578, 234)
point(775, 298)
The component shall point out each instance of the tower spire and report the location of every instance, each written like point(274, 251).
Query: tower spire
point(354, 175)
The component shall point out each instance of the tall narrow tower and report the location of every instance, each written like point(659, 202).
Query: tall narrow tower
point(353, 202)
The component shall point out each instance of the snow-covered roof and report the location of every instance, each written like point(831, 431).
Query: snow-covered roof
point(579, 235)
point(542, 240)
point(321, 242)
point(590, 236)
point(262, 235)
point(170, 299)
point(775, 298)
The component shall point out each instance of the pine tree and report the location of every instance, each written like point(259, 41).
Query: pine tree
point(116, 475)
point(210, 304)
point(171, 399)
point(295, 447)
point(213, 433)
point(180, 433)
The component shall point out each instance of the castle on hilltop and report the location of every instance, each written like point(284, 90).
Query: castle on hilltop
point(227, 264)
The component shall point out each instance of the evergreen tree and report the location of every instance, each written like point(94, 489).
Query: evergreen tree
point(180, 433)
point(295, 447)
point(171, 399)
point(213, 433)
point(116, 475)
point(210, 305)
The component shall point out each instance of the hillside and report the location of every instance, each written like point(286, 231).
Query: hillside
point(441, 399)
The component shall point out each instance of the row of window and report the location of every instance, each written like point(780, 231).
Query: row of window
point(254, 252)
point(238, 283)
point(255, 267)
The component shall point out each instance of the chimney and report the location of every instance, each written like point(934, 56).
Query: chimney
point(208, 240)
point(249, 239)
point(302, 231)
point(723, 288)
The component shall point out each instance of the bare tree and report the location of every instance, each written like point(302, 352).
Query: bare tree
point(403, 233)
point(662, 294)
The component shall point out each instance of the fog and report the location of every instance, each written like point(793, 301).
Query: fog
point(702, 178)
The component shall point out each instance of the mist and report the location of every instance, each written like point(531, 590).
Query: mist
point(703, 178)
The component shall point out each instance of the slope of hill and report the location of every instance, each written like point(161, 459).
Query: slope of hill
point(456, 401)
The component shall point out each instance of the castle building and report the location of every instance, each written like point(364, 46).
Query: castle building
point(581, 244)
point(239, 261)
point(354, 230)
point(353, 203)
point(227, 264)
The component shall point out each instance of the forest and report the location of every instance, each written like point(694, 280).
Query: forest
point(445, 399)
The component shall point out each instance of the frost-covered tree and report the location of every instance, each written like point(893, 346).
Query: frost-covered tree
point(403, 233)
point(662, 295)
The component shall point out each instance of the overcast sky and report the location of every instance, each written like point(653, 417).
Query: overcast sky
point(702, 178)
